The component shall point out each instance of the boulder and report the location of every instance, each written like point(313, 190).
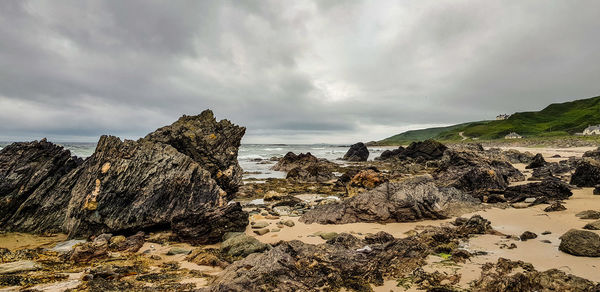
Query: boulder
point(127, 244)
point(580, 243)
point(242, 245)
point(414, 199)
point(315, 172)
point(426, 150)
point(185, 169)
point(594, 154)
point(357, 152)
point(471, 171)
point(538, 161)
point(550, 189)
point(364, 180)
point(88, 251)
point(593, 226)
point(587, 174)
point(588, 214)
point(210, 226)
point(555, 207)
point(291, 160)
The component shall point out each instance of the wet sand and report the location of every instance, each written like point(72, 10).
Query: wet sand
point(16, 240)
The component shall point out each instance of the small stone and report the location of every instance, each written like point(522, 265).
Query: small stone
point(178, 250)
point(546, 233)
point(529, 200)
point(275, 229)
point(260, 224)
point(288, 223)
point(554, 207)
point(520, 205)
point(546, 241)
point(527, 235)
point(262, 231)
point(155, 257)
point(327, 235)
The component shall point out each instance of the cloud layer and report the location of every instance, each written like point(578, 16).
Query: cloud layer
point(290, 71)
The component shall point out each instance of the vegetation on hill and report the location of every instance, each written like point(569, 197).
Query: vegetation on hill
point(559, 119)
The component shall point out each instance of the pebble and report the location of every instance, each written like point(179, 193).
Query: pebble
point(261, 231)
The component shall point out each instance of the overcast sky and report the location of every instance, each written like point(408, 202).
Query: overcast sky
point(290, 71)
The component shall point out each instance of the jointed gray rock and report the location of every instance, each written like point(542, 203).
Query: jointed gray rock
point(188, 168)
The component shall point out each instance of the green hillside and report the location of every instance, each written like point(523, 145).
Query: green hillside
point(419, 135)
point(559, 119)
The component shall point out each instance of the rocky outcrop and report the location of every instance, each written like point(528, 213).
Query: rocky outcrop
point(538, 161)
point(187, 168)
point(357, 152)
point(426, 150)
point(315, 172)
point(410, 200)
point(471, 171)
point(594, 154)
point(580, 243)
point(291, 160)
point(516, 276)
point(587, 174)
point(27, 167)
point(344, 261)
point(553, 169)
point(552, 189)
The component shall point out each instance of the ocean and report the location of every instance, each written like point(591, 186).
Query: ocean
point(252, 156)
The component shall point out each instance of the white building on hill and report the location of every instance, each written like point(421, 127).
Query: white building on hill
point(592, 130)
point(513, 135)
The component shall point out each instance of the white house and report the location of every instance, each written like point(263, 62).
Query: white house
point(513, 135)
point(502, 117)
point(592, 130)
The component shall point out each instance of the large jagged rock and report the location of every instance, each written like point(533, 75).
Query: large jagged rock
point(553, 169)
point(595, 154)
point(127, 186)
point(587, 174)
point(214, 145)
point(26, 167)
point(470, 171)
point(410, 200)
point(357, 152)
point(426, 150)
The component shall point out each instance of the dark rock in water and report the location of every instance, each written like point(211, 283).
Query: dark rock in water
point(588, 214)
point(210, 226)
point(128, 186)
point(587, 174)
point(25, 167)
point(550, 189)
point(312, 173)
point(555, 207)
point(291, 161)
point(527, 235)
point(538, 161)
point(357, 152)
point(470, 171)
point(410, 200)
point(580, 243)
point(516, 276)
point(213, 145)
point(427, 150)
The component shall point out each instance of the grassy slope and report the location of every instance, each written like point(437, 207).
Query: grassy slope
point(555, 120)
point(419, 135)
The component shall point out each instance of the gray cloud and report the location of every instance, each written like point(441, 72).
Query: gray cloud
point(301, 71)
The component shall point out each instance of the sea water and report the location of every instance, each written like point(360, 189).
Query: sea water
point(255, 159)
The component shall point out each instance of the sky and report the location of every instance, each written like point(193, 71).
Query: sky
point(290, 71)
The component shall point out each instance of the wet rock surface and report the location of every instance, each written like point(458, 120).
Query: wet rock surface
point(357, 152)
point(410, 200)
point(187, 168)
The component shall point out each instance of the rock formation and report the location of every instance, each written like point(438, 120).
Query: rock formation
point(538, 161)
point(357, 152)
point(580, 243)
point(587, 174)
point(187, 168)
point(426, 150)
point(410, 200)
